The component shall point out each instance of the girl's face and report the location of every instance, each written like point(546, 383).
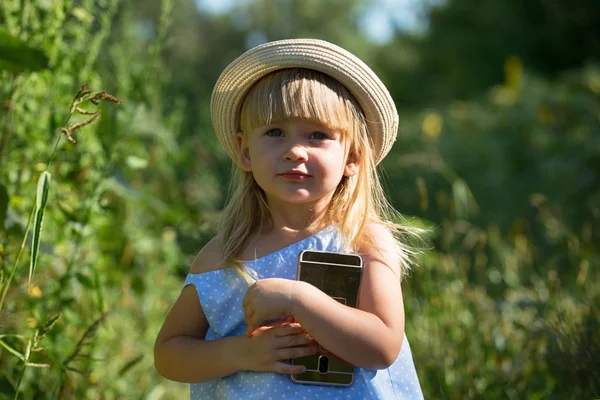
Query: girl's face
point(296, 161)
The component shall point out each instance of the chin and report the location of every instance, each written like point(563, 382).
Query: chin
point(297, 199)
point(302, 198)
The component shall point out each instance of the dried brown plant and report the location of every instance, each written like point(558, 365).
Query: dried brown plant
point(85, 95)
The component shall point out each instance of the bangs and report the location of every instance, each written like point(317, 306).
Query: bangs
point(304, 94)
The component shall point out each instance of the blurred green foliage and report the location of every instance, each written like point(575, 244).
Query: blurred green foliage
point(498, 154)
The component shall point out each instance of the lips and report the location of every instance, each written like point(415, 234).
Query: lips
point(294, 175)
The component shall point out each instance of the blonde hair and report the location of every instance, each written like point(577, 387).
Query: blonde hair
point(357, 201)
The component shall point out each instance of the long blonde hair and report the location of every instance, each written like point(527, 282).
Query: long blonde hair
point(358, 200)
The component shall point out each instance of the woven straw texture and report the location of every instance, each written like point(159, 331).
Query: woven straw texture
point(239, 76)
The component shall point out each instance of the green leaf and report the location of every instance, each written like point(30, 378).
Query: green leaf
point(3, 205)
point(14, 335)
point(19, 355)
point(17, 56)
point(40, 206)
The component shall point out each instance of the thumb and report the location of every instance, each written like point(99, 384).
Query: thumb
point(251, 325)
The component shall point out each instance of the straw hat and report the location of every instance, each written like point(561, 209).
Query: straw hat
point(239, 76)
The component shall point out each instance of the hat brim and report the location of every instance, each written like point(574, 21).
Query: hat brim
point(239, 76)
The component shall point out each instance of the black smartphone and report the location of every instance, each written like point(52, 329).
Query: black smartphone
point(338, 275)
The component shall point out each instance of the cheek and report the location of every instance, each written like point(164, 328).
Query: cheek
point(257, 153)
point(261, 157)
point(332, 166)
point(261, 165)
point(260, 179)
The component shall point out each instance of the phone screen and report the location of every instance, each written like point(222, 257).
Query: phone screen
point(336, 274)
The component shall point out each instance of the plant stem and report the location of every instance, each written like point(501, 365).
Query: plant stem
point(19, 381)
point(60, 135)
point(27, 354)
point(56, 146)
point(6, 284)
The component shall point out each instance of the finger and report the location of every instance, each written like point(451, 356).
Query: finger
point(258, 331)
point(252, 326)
point(278, 322)
point(254, 322)
point(284, 368)
point(289, 353)
point(248, 318)
point(250, 331)
point(293, 341)
point(273, 324)
point(288, 329)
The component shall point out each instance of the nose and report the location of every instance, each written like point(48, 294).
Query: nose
point(295, 152)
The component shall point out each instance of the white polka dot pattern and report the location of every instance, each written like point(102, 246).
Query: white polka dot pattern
point(221, 293)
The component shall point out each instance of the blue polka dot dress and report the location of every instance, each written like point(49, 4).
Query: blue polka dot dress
point(221, 293)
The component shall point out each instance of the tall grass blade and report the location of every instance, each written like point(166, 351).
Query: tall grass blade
point(14, 352)
point(6, 283)
point(40, 205)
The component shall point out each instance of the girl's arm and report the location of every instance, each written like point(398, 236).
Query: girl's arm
point(369, 336)
point(181, 353)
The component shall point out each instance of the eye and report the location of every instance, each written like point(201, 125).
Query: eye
point(274, 133)
point(318, 136)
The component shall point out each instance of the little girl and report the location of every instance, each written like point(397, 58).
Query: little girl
point(305, 123)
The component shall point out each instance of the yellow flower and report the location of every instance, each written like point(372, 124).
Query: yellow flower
point(35, 291)
point(432, 125)
point(513, 73)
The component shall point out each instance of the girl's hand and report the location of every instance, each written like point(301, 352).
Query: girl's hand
point(268, 299)
point(265, 349)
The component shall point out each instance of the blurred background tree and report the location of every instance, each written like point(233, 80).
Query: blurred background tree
point(498, 154)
